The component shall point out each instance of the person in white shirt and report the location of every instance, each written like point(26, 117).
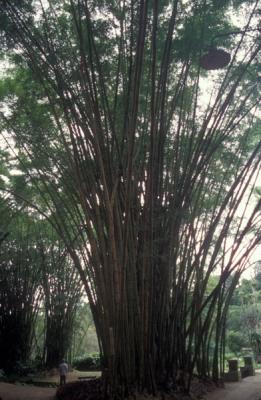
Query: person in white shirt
point(63, 371)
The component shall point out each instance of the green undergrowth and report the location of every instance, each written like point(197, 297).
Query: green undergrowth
point(88, 362)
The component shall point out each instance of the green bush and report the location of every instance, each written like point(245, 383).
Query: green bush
point(88, 362)
point(236, 341)
point(23, 368)
point(3, 377)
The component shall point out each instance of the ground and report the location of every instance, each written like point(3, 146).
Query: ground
point(248, 389)
point(19, 392)
point(16, 392)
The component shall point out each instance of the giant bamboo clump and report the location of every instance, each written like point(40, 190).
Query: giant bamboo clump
point(20, 296)
point(141, 179)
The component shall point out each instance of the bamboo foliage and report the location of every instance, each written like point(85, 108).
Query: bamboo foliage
point(142, 182)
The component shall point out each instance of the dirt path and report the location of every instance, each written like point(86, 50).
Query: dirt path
point(18, 392)
point(248, 389)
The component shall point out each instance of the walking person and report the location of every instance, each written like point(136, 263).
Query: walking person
point(63, 371)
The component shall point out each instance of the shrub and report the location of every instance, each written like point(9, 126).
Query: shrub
point(21, 368)
point(236, 341)
point(2, 376)
point(88, 362)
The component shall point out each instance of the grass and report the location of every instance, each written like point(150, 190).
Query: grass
point(45, 379)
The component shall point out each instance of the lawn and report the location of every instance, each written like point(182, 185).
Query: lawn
point(46, 378)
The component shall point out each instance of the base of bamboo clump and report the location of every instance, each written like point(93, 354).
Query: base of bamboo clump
point(82, 390)
point(93, 389)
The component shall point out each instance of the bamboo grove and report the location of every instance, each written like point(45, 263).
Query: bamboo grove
point(39, 295)
point(148, 180)
point(40, 291)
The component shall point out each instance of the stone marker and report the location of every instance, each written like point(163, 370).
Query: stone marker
point(233, 374)
point(248, 369)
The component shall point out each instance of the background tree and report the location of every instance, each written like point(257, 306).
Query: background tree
point(85, 338)
point(36, 275)
point(20, 296)
point(244, 323)
point(62, 290)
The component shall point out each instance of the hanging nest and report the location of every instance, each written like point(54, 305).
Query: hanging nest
point(215, 59)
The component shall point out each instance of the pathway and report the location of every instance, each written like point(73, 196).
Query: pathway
point(18, 392)
point(248, 389)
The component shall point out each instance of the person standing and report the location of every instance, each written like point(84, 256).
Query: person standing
point(63, 371)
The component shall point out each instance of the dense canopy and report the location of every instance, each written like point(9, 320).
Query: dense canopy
point(143, 163)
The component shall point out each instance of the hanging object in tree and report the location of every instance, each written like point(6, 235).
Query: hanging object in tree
point(215, 59)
